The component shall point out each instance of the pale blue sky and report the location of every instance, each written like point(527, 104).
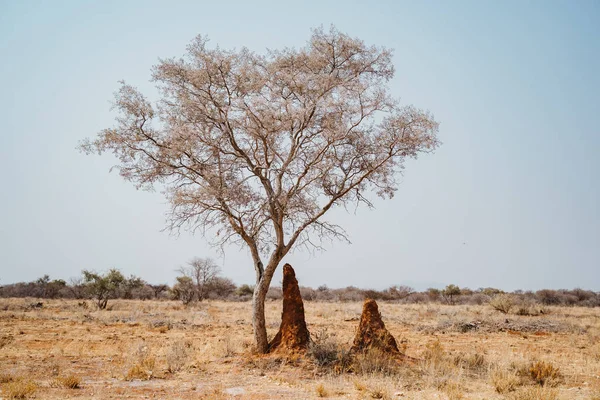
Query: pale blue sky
point(510, 200)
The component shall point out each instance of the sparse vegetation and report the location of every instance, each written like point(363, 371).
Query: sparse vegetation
point(544, 373)
point(499, 356)
point(504, 380)
point(144, 364)
point(68, 382)
point(503, 303)
point(322, 391)
point(19, 388)
point(534, 393)
point(177, 356)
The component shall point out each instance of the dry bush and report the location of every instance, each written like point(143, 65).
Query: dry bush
point(19, 388)
point(544, 373)
point(474, 362)
point(324, 353)
point(144, 364)
point(453, 390)
point(529, 309)
point(327, 353)
point(177, 356)
point(5, 378)
point(503, 303)
point(535, 393)
point(437, 367)
point(68, 382)
point(504, 380)
point(434, 352)
point(374, 361)
point(143, 370)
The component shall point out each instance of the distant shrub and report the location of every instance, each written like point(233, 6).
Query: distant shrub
point(477, 299)
point(349, 293)
point(548, 297)
point(503, 303)
point(308, 293)
point(245, 290)
point(434, 294)
point(450, 293)
point(275, 293)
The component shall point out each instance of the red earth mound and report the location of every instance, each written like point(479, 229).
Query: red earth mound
point(293, 334)
point(371, 333)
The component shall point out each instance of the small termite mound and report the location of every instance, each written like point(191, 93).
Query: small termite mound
point(372, 334)
point(293, 334)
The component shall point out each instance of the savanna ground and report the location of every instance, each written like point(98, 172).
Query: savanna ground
point(163, 350)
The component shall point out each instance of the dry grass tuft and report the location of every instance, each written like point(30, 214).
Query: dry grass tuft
point(322, 391)
point(379, 392)
point(214, 394)
point(143, 370)
point(504, 380)
point(474, 362)
point(374, 361)
point(544, 373)
point(68, 382)
point(5, 340)
point(19, 388)
point(434, 352)
point(535, 393)
point(143, 365)
point(359, 386)
point(438, 368)
point(453, 390)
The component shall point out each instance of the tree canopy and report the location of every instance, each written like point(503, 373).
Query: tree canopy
point(260, 147)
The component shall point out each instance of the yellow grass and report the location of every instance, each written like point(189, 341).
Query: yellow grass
point(462, 352)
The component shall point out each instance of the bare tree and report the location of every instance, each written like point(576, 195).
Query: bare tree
point(255, 149)
point(202, 271)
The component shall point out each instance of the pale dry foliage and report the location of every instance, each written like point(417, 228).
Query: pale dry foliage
point(502, 302)
point(208, 353)
point(19, 388)
point(68, 382)
point(504, 379)
point(261, 147)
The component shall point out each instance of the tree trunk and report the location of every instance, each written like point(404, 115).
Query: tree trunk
point(263, 281)
point(258, 317)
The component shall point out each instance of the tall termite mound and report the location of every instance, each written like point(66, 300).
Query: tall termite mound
point(293, 334)
point(371, 333)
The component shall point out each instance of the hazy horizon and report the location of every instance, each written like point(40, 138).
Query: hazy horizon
point(509, 200)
